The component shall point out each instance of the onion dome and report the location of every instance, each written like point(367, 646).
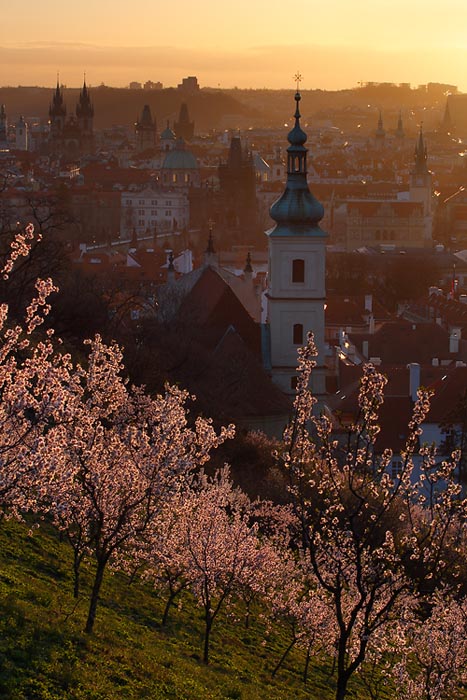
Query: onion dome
point(297, 211)
point(168, 134)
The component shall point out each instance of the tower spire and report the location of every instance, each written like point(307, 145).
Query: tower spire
point(297, 208)
point(421, 154)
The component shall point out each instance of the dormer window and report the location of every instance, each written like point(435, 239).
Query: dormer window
point(298, 270)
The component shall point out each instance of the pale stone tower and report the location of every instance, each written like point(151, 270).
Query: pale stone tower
point(296, 294)
point(22, 135)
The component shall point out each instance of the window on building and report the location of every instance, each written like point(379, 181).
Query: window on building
point(129, 202)
point(154, 202)
point(168, 212)
point(141, 201)
point(168, 202)
point(141, 222)
point(174, 177)
point(396, 468)
point(298, 334)
point(142, 212)
point(298, 270)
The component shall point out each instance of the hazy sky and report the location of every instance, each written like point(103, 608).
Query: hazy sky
point(248, 43)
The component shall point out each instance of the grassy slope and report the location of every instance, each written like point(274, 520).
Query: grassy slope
point(45, 656)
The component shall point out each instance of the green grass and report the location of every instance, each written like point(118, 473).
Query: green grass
point(44, 655)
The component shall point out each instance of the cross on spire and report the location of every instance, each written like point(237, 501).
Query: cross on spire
point(298, 79)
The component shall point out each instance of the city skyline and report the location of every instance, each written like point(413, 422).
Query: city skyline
point(256, 46)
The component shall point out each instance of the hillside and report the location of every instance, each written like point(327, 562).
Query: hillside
point(221, 109)
point(45, 656)
point(122, 106)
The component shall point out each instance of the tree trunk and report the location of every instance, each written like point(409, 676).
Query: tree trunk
point(307, 663)
point(341, 689)
point(284, 656)
point(95, 595)
point(207, 632)
point(76, 564)
point(170, 600)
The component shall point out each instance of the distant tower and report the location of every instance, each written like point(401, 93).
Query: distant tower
point(22, 135)
point(210, 258)
point(278, 169)
point(146, 130)
point(296, 293)
point(85, 116)
point(57, 114)
point(237, 184)
point(184, 129)
point(421, 183)
point(446, 126)
point(167, 139)
point(380, 134)
point(3, 126)
point(399, 133)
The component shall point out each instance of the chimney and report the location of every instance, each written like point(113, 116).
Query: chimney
point(369, 302)
point(414, 379)
point(365, 348)
point(454, 339)
point(371, 324)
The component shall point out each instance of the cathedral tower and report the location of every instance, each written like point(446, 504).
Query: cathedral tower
point(57, 114)
point(296, 293)
point(85, 116)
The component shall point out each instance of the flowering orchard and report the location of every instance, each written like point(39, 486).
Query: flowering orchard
point(359, 567)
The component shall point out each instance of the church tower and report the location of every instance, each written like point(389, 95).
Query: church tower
point(421, 184)
point(85, 116)
point(184, 129)
point(57, 114)
point(145, 130)
point(399, 133)
point(446, 126)
point(296, 293)
point(380, 133)
point(22, 134)
point(3, 127)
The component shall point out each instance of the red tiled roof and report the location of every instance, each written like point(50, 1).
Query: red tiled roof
point(372, 208)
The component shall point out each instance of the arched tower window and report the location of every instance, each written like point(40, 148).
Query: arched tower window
point(298, 270)
point(298, 334)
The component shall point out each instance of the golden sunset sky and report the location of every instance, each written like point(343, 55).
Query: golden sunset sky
point(246, 43)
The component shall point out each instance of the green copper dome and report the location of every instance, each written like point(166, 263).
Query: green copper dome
point(180, 159)
point(297, 211)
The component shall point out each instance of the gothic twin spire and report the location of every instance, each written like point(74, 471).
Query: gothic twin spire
point(84, 108)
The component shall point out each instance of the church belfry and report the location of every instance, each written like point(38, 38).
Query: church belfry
point(296, 293)
point(421, 183)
